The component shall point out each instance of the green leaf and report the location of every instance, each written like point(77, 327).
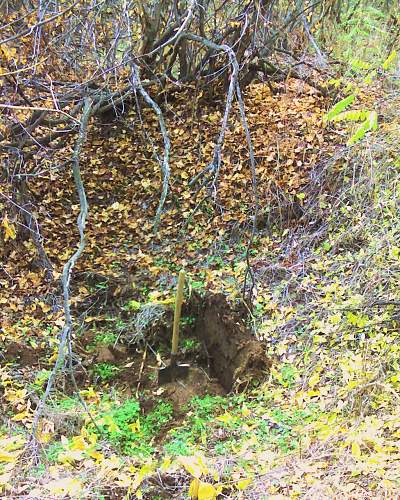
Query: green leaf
point(371, 123)
point(339, 107)
point(359, 134)
point(392, 56)
point(357, 64)
point(351, 116)
point(134, 305)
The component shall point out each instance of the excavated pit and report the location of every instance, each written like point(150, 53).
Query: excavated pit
point(235, 357)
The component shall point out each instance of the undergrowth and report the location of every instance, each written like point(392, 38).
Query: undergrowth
point(125, 427)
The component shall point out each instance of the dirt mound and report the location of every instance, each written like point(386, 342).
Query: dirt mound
point(25, 355)
point(180, 392)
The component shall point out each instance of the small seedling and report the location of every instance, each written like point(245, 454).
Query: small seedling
point(41, 378)
point(190, 345)
point(105, 338)
point(53, 451)
point(188, 320)
point(105, 371)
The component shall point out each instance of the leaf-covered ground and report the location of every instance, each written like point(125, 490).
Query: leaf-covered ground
point(326, 423)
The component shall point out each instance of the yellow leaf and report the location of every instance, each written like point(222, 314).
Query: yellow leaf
point(313, 381)
point(21, 416)
point(144, 471)
point(12, 443)
point(113, 462)
point(206, 491)
point(135, 427)
point(194, 465)
point(45, 308)
point(194, 488)
point(7, 457)
point(243, 484)
point(166, 463)
point(44, 437)
point(96, 455)
point(78, 443)
point(66, 486)
point(226, 418)
point(9, 53)
point(9, 229)
point(355, 449)
point(70, 456)
point(245, 411)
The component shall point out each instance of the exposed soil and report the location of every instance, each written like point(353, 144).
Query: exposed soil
point(198, 383)
point(236, 358)
point(25, 355)
point(229, 358)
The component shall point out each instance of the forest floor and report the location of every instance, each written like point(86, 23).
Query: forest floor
point(321, 417)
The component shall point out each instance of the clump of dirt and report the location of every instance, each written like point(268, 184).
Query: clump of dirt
point(236, 358)
point(25, 355)
point(198, 383)
point(111, 354)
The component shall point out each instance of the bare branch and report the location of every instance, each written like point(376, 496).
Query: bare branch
point(65, 338)
point(165, 169)
point(34, 108)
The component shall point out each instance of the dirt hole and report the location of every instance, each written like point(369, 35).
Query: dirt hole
point(227, 357)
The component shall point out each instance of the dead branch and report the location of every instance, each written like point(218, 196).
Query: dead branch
point(215, 163)
point(34, 108)
point(66, 337)
point(164, 163)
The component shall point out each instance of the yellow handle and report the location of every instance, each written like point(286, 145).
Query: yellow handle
point(177, 314)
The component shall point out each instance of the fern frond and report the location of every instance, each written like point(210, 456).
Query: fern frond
point(351, 116)
point(392, 56)
point(371, 123)
point(339, 107)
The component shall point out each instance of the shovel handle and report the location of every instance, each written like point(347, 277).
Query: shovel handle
point(177, 314)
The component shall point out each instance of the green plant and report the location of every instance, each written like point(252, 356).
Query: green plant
point(156, 419)
point(206, 406)
point(103, 285)
point(40, 379)
point(180, 443)
point(201, 414)
point(66, 403)
point(196, 285)
point(105, 371)
point(190, 345)
point(361, 36)
point(368, 118)
point(105, 338)
point(53, 450)
point(133, 305)
point(38, 470)
point(188, 320)
point(287, 375)
point(126, 428)
point(216, 260)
